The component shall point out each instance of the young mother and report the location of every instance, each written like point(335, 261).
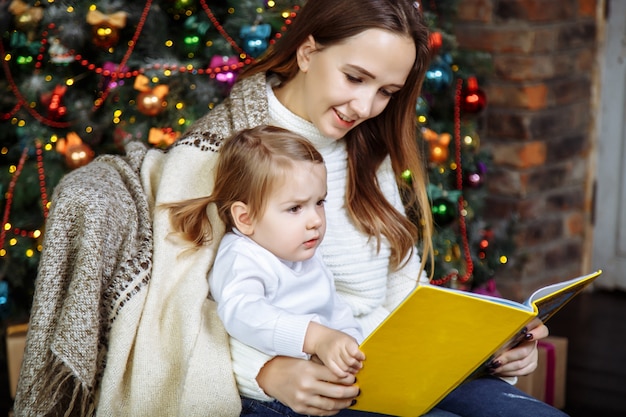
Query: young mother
point(346, 76)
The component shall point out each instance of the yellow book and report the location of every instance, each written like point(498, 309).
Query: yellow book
point(439, 337)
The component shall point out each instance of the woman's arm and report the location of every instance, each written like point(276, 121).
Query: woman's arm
point(307, 387)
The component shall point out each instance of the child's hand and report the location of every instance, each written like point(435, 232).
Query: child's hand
point(337, 350)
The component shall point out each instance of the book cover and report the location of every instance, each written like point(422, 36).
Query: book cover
point(438, 337)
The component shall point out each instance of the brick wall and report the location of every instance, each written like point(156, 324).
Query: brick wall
point(538, 125)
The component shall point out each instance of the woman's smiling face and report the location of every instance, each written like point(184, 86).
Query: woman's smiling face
point(340, 86)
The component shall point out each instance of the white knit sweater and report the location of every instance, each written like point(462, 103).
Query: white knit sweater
point(362, 275)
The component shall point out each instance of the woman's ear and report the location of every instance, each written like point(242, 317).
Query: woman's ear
point(304, 51)
point(241, 217)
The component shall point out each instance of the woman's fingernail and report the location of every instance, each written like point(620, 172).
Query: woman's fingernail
point(528, 336)
point(495, 364)
point(358, 393)
point(353, 402)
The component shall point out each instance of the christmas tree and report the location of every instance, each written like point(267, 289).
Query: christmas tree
point(468, 249)
point(84, 78)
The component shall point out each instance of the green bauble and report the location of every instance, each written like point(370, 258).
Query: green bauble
point(444, 211)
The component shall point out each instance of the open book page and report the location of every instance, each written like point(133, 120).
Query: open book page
point(550, 299)
point(545, 301)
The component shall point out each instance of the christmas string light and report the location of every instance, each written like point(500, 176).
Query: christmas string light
point(9, 196)
point(459, 185)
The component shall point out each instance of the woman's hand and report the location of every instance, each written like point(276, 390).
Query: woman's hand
point(307, 387)
point(521, 359)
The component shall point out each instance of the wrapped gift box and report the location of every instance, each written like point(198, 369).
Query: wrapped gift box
point(16, 341)
point(547, 383)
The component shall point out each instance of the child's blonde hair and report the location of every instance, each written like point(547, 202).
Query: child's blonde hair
point(250, 164)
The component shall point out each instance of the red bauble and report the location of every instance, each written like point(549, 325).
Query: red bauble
point(53, 101)
point(473, 99)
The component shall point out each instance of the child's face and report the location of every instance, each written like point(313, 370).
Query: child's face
point(294, 221)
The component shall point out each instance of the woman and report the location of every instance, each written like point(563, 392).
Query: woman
point(346, 76)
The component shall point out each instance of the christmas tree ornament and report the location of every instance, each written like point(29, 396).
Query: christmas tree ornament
point(110, 75)
point(25, 51)
point(255, 38)
point(59, 53)
point(106, 27)
point(439, 76)
point(4, 294)
point(488, 288)
point(473, 99)
point(421, 107)
point(150, 101)
point(53, 101)
point(194, 32)
point(191, 43)
point(162, 137)
point(444, 211)
point(78, 155)
point(435, 40)
point(70, 139)
point(75, 151)
point(27, 18)
point(474, 179)
point(407, 176)
point(438, 145)
point(224, 68)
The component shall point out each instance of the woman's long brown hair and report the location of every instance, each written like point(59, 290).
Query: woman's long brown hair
point(392, 133)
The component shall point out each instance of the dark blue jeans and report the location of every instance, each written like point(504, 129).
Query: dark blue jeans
point(484, 397)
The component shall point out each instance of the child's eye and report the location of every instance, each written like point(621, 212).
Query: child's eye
point(294, 209)
point(321, 203)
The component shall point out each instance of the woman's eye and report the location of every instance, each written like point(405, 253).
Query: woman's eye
point(353, 79)
point(386, 93)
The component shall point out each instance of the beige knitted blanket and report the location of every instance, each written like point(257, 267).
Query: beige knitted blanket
point(169, 355)
point(96, 257)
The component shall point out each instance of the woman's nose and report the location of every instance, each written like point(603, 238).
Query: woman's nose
point(362, 104)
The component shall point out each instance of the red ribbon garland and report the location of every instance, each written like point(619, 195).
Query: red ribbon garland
point(459, 185)
point(7, 207)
